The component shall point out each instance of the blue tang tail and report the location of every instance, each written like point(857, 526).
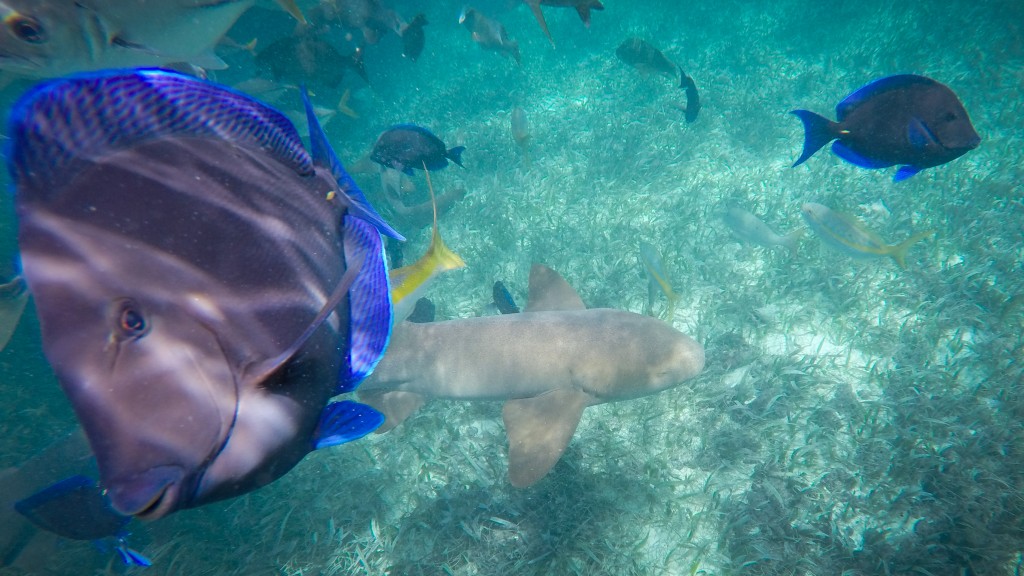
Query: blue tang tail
point(818, 131)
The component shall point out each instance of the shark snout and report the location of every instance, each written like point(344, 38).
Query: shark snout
point(149, 495)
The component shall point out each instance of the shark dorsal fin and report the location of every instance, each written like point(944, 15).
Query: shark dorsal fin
point(539, 430)
point(549, 291)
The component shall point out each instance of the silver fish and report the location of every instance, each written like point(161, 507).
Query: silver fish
point(547, 364)
point(204, 284)
point(749, 228)
point(47, 38)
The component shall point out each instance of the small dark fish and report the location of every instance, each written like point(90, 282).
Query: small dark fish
point(424, 312)
point(78, 509)
point(413, 38)
point(489, 34)
point(503, 299)
point(583, 8)
point(904, 119)
point(218, 359)
point(371, 17)
point(641, 55)
point(309, 59)
point(408, 146)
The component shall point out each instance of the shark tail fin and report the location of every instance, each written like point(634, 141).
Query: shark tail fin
point(539, 430)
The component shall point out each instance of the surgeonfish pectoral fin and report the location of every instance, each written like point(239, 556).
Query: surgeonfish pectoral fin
point(13, 297)
point(131, 557)
point(549, 291)
point(324, 156)
point(395, 405)
point(539, 430)
point(345, 421)
point(905, 172)
point(539, 15)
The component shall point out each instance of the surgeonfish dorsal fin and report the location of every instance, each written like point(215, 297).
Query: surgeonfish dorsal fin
point(549, 291)
point(68, 122)
point(324, 156)
point(370, 314)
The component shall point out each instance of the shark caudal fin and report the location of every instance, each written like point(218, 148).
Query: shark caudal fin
point(539, 430)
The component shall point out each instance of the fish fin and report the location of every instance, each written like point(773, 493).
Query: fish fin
point(872, 89)
point(539, 15)
point(899, 252)
point(584, 11)
point(455, 155)
point(355, 62)
point(905, 172)
point(13, 297)
point(539, 430)
point(292, 8)
point(395, 405)
point(818, 131)
point(68, 122)
point(791, 241)
point(208, 61)
point(131, 557)
point(345, 421)
point(919, 135)
point(549, 291)
point(343, 106)
point(324, 156)
point(844, 152)
point(370, 311)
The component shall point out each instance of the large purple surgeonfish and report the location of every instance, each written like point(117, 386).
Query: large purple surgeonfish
point(908, 120)
point(204, 284)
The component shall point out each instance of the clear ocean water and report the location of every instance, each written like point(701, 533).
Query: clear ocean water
point(854, 418)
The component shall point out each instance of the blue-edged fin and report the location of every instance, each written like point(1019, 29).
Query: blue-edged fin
point(345, 421)
point(852, 157)
point(323, 155)
point(74, 508)
point(818, 131)
point(13, 297)
point(370, 310)
point(131, 557)
point(872, 89)
point(65, 124)
point(455, 155)
point(905, 172)
point(919, 135)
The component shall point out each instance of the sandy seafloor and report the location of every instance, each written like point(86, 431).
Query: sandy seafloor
point(854, 418)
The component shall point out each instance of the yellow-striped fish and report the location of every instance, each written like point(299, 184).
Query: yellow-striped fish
point(657, 279)
point(409, 282)
point(848, 235)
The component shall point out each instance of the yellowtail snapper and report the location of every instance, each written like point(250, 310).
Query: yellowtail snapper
point(657, 280)
point(848, 235)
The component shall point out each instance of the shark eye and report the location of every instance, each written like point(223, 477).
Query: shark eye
point(131, 323)
point(26, 28)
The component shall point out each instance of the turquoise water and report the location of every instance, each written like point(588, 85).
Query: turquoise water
point(853, 417)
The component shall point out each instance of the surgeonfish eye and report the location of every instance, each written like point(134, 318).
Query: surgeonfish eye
point(949, 117)
point(131, 323)
point(26, 28)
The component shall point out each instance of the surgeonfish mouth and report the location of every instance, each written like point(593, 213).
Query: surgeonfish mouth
point(232, 361)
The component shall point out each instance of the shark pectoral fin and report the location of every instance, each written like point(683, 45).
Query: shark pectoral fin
point(345, 421)
point(549, 291)
point(539, 429)
point(395, 405)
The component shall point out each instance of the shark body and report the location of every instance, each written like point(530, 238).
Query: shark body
point(548, 364)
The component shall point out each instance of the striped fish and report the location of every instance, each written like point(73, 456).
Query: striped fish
point(848, 235)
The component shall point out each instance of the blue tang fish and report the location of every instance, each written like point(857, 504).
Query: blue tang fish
point(905, 119)
point(76, 508)
point(407, 146)
point(204, 284)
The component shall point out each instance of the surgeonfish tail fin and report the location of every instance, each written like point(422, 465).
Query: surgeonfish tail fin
point(899, 251)
point(324, 156)
point(818, 131)
point(455, 155)
point(370, 311)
